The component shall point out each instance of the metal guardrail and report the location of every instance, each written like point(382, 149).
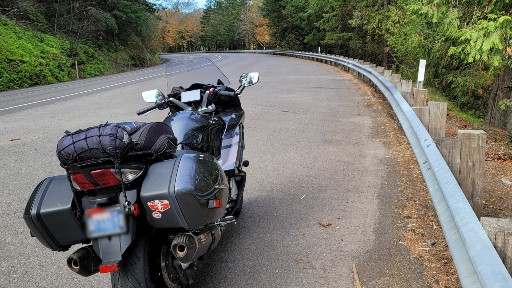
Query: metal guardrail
point(475, 258)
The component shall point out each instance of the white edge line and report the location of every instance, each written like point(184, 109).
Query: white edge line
point(95, 89)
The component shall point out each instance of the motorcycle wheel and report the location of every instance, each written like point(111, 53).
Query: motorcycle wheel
point(147, 263)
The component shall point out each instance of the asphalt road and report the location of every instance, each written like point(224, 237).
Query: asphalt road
point(314, 160)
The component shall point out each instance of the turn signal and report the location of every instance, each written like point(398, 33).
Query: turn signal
point(129, 175)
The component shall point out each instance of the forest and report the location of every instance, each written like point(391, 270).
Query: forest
point(467, 43)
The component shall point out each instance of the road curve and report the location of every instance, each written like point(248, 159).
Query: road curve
point(320, 190)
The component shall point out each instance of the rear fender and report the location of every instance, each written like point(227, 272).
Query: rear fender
point(111, 248)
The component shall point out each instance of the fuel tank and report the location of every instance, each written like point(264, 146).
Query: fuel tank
point(188, 191)
point(198, 132)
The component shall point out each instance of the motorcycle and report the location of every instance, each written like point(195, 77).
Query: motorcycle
point(149, 200)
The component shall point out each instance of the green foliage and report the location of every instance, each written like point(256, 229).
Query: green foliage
point(30, 58)
point(111, 25)
point(222, 25)
point(486, 42)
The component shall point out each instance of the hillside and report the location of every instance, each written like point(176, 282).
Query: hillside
point(29, 58)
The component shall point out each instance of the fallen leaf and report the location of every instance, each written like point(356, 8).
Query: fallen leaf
point(325, 225)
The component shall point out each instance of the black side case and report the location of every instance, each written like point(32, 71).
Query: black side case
point(49, 215)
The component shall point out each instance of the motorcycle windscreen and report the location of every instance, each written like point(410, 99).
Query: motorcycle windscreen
point(186, 70)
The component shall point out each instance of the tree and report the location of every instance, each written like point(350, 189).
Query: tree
point(180, 30)
point(488, 42)
point(221, 25)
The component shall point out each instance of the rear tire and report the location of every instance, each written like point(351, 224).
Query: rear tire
point(142, 264)
point(240, 186)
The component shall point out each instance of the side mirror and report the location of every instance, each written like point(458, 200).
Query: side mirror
point(153, 96)
point(249, 79)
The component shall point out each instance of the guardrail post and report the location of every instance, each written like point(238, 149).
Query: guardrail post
point(472, 163)
point(387, 74)
point(407, 91)
point(450, 148)
point(424, 114)
point(395, 79)
point(419, 97)
point(500, 233)
point(437, 119)
point(380, 70)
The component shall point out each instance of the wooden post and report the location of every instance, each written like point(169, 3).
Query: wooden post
point(450, 148)
point(424, 114)
point(406, 86)
point(395, 79)
point(500, 234)
point(472, 164)
point(373, 66)
point(420, 97)
point(387, 74)
point(380, 70)
point(437, 121)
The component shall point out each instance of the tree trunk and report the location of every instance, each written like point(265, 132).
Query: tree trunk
point(501, 90)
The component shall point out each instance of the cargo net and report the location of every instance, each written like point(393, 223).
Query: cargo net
point(116, 142)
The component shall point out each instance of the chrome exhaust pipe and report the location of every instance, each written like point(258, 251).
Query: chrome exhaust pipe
point(187, 247)
point(84, 261)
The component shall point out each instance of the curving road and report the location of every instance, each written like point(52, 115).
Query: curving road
point(310, 137)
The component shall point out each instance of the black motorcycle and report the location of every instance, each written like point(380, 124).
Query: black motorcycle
point(148, 200)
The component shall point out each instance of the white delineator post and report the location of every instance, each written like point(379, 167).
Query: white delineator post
point(421, 73)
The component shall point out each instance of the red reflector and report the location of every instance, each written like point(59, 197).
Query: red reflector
point(81, 183)
point(214, 203)
point(94, 211)
point(135, 209)
point(109, 268)
point(105, 178)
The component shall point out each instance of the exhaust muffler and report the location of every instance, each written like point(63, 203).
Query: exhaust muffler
point(84, 261)
point(187, 247)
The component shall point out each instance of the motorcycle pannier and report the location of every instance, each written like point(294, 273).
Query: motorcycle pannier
point(116, 142)
point(49, 214)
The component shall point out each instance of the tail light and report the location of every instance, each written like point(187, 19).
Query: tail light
point(104, 178)
point(80, 182)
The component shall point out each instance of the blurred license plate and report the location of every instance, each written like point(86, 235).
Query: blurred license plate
point(101, 222)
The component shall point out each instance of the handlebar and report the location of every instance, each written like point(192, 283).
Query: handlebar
point(227, 93)
point(146, 110)
point(172, 102)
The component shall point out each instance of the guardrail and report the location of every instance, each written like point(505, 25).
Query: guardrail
point(475, 258)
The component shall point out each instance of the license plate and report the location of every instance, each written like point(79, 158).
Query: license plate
point(102, 222)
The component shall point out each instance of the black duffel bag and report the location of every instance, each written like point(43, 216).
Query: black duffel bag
point(116, 142)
